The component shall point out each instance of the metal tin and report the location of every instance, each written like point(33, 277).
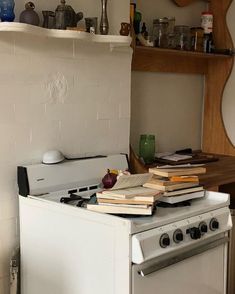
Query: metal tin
point(207, 22)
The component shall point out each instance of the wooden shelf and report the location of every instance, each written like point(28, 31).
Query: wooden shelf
point(113, 40)
point(168, 60)
point(216, 68)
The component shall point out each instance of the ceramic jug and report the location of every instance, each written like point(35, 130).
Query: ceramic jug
point(29, 15)
point(125, 29)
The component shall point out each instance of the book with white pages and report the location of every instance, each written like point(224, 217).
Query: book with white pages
point(149, 200)
point(183, 191)
point(182, 197)
point(125, 205)
point(129, 181)
point(119, 209)
point(128, 193)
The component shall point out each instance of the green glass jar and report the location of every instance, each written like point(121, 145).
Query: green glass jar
point(147, 148)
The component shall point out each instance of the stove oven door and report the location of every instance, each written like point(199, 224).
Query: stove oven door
point(200, 270)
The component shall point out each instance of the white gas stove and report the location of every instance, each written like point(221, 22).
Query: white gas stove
point(68, 249)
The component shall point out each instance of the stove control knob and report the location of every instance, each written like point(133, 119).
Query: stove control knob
point(164, 240)
point(178, 236)
point(194, 232)
point(203, 228)
point(214, 224)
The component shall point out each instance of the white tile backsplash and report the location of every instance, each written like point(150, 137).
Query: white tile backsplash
point(61, 94)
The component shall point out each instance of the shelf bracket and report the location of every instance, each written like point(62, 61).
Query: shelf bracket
point(183, 3)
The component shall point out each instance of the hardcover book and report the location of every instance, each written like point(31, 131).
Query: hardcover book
point(169, 172)
point(119, 209)
point(169, 187)
point(128, 193)
point(182, 197)
point(183, 191)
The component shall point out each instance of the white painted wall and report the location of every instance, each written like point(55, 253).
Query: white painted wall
point(56, 94)
point(32, 121)
point(168, 105)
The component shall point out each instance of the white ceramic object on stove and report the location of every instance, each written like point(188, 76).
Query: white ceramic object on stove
point(52, 157)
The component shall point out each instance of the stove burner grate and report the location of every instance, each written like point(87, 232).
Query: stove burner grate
point(75, 200)
point(173, 205)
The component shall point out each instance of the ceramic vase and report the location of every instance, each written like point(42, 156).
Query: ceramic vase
point(104, 23)
point(29, 16)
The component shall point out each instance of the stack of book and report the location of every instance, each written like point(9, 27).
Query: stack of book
point(137, 200)
point(177, 183)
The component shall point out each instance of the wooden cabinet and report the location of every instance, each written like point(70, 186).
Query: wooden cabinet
point(215, 67)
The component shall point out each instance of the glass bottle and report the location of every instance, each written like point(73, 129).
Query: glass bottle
point(7, 10)
point(144, 32)
point(207, 25)
point(147, 148)
point(104, 23)
point(137, 21)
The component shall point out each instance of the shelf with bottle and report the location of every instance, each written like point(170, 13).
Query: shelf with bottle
point(216, 68)
point(170, 60)
point(113, 40)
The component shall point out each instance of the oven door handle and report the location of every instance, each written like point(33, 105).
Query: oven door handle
point(185, 255)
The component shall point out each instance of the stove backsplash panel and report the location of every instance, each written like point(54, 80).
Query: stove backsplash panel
point(60, 94)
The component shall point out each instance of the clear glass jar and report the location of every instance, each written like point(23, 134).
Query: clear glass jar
point(182, 37)
point(160, 32)
point(171, 24)
point(171, 35)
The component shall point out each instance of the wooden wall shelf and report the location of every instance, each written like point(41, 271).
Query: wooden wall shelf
point(177, 61)
point(216, 68)
point(22, 28)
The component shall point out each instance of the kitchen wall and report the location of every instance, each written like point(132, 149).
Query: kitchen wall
point(56, 94)
point(168, 105)
point(60, 94)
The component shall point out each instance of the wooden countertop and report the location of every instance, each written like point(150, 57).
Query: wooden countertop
point(219, 176)
point(219, 173)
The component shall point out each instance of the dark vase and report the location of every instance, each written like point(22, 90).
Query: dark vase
point(29, 15)
point(104, 23)
point(7, 10)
